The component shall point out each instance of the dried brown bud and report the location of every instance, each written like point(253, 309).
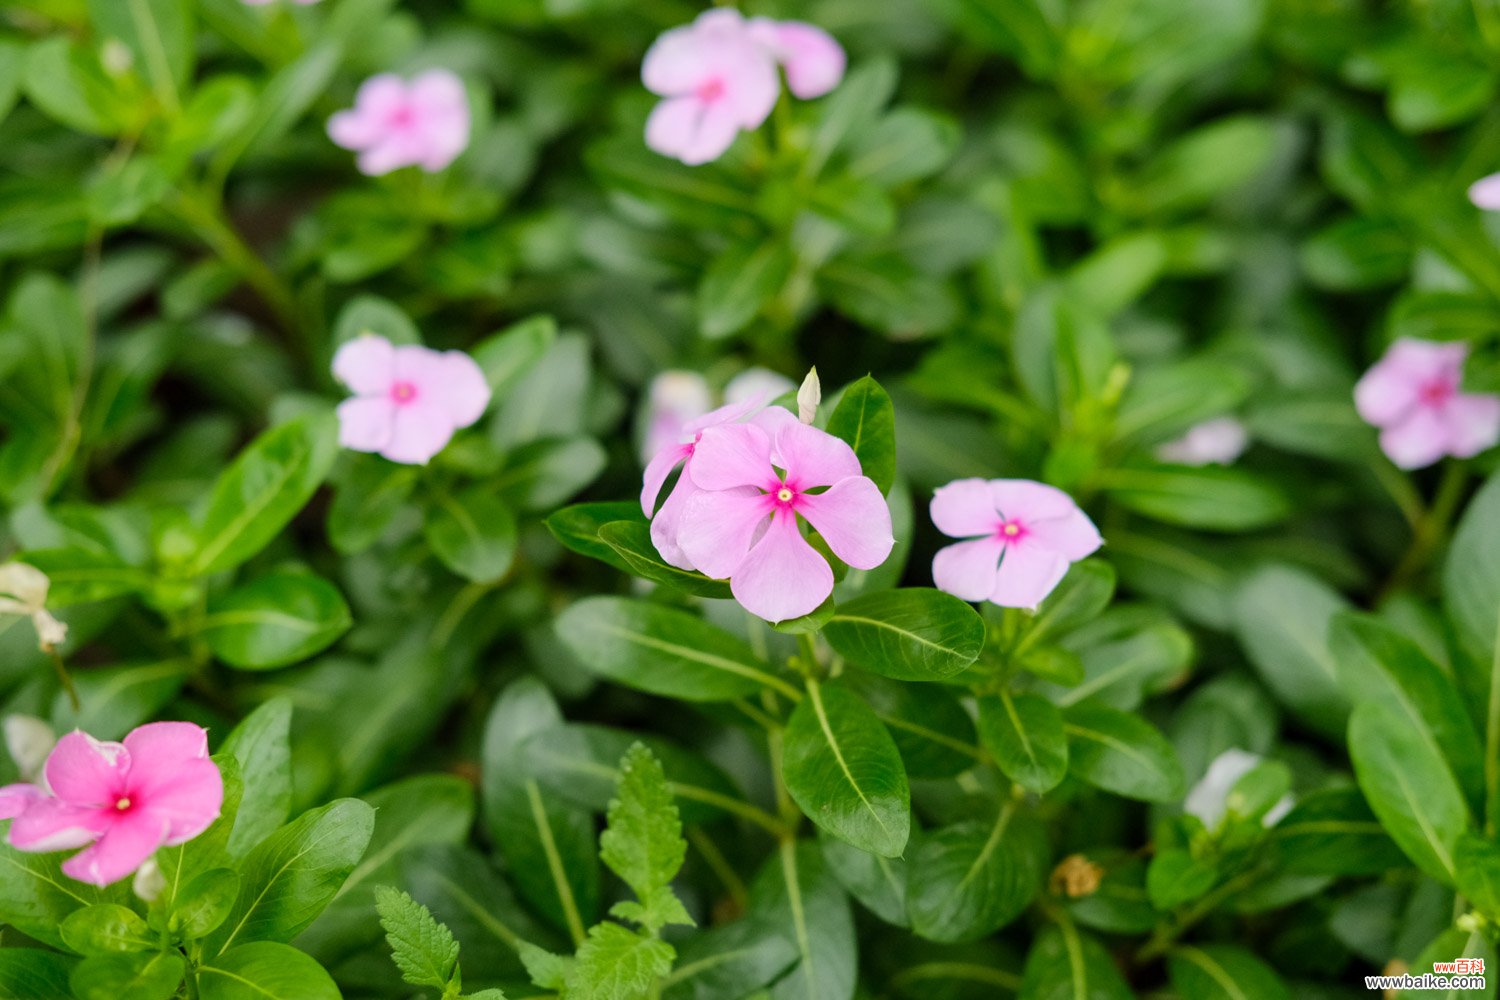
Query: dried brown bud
point(1075, 876)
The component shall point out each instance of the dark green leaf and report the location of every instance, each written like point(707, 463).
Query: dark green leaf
point(913, 634)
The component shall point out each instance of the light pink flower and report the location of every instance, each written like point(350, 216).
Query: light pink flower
point(156, 789)
point(1485, 193)
point(410, 400)
point(393, 124)
point(1213, 442)
point(1413, 395)
point(673, 400)
point(812, 60)
point(1022, 536)
point(716, 80)
point(757, 383)
point(743, 522)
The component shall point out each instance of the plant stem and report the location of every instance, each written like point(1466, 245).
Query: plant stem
point(1167, 935)
point(1492, 743)
point(1431, 528)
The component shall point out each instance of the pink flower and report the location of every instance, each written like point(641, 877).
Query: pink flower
point(759, 384)
point(424, 123)
point(1413, 395)
point(673, 400)
point(742, 523)
point(1213, 442)
point(716, 80)
point(409, 400)
point(156, 789)
point(1022, 536)
point(1485, 193)
point(812, 60)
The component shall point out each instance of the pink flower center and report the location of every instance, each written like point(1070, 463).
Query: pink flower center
point(1436, 392)
point(403, 116)
point(1010, 531)
point(403, 392)
point(711, 90)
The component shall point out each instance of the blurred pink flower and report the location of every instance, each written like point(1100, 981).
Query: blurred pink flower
point(757, 383)
point(1413, 395)
point(742, 523)
point(1485, 193)
point(673, 400)
point(1022, 536)
point(812, 60)
point(409, 400)
point(1213, 442)
point(716, 81)
point(393, 124)
point(156, 789)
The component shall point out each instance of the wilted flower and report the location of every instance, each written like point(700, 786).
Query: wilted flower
point(1022, 536)
point(156, 789)
point(393, 124)
point(1209, 798)
point(1413, 395)
point(1213, 442)
point(743, 522)
point(23, 591)
point(1485, 193)
point(410, 399)
point(812, 60)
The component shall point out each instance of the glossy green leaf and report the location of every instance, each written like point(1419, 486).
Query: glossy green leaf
point(631, 543)
point(473, 534)
point(128, 977)
point(1333, 832)
point(739, 283)
point(106, 929)
point(261, 744)
point(912, 634)
point(1025, 733)
point(1471, 580)
point(204, 904)
point(932, 730)
point(969, 880)
point(1223, 972)
point(1122, 753)
point(275, 620)
point(866, 420)
point(265, 970)
point(1066, 963)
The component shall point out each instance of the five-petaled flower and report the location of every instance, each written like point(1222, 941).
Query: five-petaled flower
point(743, 521)
point(410, 399)
point(1021, 538)
point(1413, 394)
point(393, 124)
point(122, 801)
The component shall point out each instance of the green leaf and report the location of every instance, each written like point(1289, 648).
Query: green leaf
point(578, 528)
point(931, 728)
point(1333, 832)
point(265, 487)
point(738, 283)
point(1122, 753)
point(64, 79)
point(159, 36)
point(630, 541)
point(969, 880)
point(1081, 597)
point(275, 620)
point(1358, 253)
point(115, 700)
point(546, 970)
point(905, 145)
point(662, 650)
point(912, 634)
point(795, 891)
point(542, 474)
point(106, 929)
point(1211, 498)
point(128, 977)
point(265, 970)
point(880, 884)
point(473, 534)
point(842, 767)
point(1477, 861)
point(1409, 787)
point(866, 420)
point(1175, 877)
point(508, 356)
point(289, 878)
point(617, 964)
point(1025, 733)
point(1223, 972)
point(35, 896)
point(261, 744)
point(642, 842)
point(34, 974)
point(1064, 963)
point(204, 904)
point(1471, 579)
point(373, 316)
point(423, 949)
point(724, 962)
point(1206, 163)
point(1282, 617)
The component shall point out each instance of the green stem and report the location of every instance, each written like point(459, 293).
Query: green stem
point(1431, 528)
point(1492, 743)
point(1167, 935)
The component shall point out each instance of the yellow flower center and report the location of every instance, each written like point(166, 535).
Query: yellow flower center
point(784, 495)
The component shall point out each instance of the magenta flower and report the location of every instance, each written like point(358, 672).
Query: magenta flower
point(393, 124)
point(123, 801)
point(1214, 442)
point(410, 400)
point(1413, 395)
point(715, 80)
point(1485, 193)
point(1022, 536)
point(812, 60)
point(743, 522)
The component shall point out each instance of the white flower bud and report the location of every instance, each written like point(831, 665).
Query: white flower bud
point(149, 881)
point(809, 396)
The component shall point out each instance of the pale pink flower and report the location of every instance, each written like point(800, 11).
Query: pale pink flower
point(743, 522)
point(812, 60)
point(715, 80)
point(757, 383)
point(1213, 442)
point(1022, 536)
point(1413, 394)
point(674, 399)
point(393, 124)
point(1485, 193)
point(409, 400)
point(123, 801)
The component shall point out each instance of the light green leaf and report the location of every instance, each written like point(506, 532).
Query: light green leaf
point(642, 842)
point(275, 620)
point(265, 970)
point(423, 949)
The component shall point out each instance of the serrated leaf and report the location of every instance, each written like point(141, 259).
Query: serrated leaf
point(423, 949)
point(643, 841)
point(617, 964)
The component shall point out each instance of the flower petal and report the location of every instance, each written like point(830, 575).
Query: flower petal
point(672, 125)
point(1073, 535)
point(731, 455)
point(14, 799)
point(812, 457)
point(783, 577)
point(1485, 193)
point(419, 431)
point(666, 526)
point(165, 745)
point(675, 63)
point(84, 771)
point(1026, 500)
point(1417, 441)
point(184, 800)
point(965, 508)
point(125, 846)
point(967, 570)
point(52, 825)
point(1473, 423)
point(718, 528)
point(366, 364)
point(1027, 575)
point(461, 387)
point(758, 386)
point(814, 62)
point(657, 471)
point(366, 423)
point(854, 519)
